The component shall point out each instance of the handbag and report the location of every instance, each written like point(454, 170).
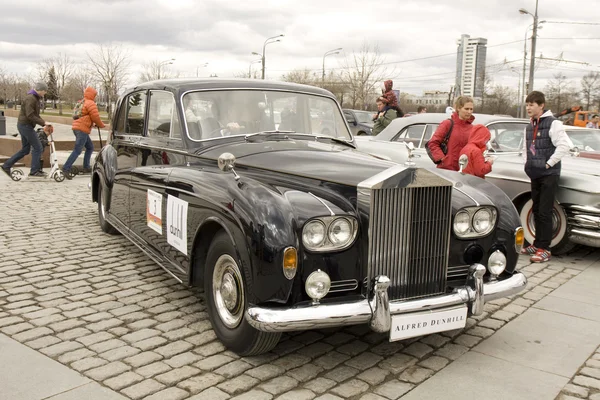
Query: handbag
point(443, 144)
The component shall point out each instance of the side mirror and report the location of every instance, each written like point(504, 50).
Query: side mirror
point(463, 160)
point(226, 162)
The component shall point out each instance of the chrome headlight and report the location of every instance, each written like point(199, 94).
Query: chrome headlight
point(496, 263)
point(329, 233)
point(474, 222)
point(317, 285)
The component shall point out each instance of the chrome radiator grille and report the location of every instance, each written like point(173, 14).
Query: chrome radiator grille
point(409, 234)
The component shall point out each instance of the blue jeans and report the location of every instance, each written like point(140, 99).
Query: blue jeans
point(29, 140)
point(82, 140)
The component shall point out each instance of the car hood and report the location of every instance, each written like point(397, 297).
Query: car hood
point(314, 160)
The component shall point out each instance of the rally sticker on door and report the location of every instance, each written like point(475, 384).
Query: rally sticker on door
point(177, 223)
point(154, 211)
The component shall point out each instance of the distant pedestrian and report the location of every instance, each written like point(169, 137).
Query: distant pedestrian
point(593, 122)
point(459, 125)
point(29, 117)
point(384, 116)
point(545, 144)
point(82, 126)
point(478, 165)
point(421, 110)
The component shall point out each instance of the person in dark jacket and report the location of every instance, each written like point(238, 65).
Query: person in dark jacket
point(545, 144)
point(29, 117)
point(478, 165)
point(384, 116)
point(459, 137)
point(82, 128)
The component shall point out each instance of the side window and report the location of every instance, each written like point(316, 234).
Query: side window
point(162, 116)
point(429, 131)
point(349, 117)
point(507, 136)
point(131, 114)
point(412, 133)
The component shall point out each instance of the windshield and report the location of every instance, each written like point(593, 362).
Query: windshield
point(213, 114)
point(363, 116)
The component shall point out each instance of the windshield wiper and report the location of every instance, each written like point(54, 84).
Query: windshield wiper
point(336, 140)
point(249, 136)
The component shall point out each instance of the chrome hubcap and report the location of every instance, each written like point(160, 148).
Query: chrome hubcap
point(555, 223)
point(228, 291)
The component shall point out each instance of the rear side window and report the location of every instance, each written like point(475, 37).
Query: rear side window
point(162, 116)
point(131, 114)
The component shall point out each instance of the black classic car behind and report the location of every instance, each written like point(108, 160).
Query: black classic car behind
point(287, 229)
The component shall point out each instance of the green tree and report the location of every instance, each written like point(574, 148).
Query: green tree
point(52, 93)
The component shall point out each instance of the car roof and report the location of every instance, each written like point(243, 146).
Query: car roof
point(435, 118)
point(187, 84)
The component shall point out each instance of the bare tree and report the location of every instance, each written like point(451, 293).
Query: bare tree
point(500, 100)
point(63, 67)
point(560, 93)
point(362, 72)
point(156, 70)
point(590, 85)
point(302, 76)
point(4, 85)
point(110, 65)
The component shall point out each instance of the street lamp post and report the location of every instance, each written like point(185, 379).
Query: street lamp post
point(268, 41)
point(521, 112)
point(533, 42)
point(201, 66)
point(253, 62)
point(328, 53)
point(160, 64)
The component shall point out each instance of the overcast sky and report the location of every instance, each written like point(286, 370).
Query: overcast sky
point(416, 38)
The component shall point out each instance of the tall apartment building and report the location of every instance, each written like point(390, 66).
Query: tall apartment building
point(470, 66)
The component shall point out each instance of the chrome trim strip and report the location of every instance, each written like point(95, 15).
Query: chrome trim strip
point(468, 195)
point(322, 202)
point(585, 237)
point(361, 312)
point(585, 209)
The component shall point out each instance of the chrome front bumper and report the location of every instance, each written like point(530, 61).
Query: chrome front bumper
point(584, 224)
point(377, 310)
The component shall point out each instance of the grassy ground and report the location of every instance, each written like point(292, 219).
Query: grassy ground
point(68, 112)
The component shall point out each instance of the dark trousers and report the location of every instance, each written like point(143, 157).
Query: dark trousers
point(542, 194)
point(29, 142)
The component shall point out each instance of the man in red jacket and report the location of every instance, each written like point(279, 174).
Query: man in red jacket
point(477, 164)
point(82, 126)
point(462, 120)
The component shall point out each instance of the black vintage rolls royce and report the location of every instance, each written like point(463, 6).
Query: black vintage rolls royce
point(232, 186)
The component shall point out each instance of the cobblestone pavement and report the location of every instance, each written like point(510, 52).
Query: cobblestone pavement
point(97, 304)
point(586, 383)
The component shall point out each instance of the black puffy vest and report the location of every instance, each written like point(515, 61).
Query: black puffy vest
point(535, 167)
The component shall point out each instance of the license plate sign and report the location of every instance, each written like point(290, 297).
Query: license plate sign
point(424, 323)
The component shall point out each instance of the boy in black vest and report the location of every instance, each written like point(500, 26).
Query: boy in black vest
point(546, 143)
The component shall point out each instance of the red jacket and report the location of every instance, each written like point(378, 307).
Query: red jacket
point(474, 150)
point(458, 139)
point(89, 113)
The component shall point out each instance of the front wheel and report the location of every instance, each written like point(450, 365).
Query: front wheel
point(104, 224)
point(226, 299)
point(560, 241)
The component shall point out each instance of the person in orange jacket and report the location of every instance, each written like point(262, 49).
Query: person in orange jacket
point(478, 165)
point(82, 126)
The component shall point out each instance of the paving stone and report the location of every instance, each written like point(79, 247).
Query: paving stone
point(202, 382)
point(493, 324)
point(451, 351)
point(266, 371)
point(211, 393)
point(174, 348)
point(353, 348)
point(106, 345)
point(104, 324)
point(297, 394)
point(418, 350)
point(88, 363)
point(372, 396)
point(119, 353)
point(388, 348)
point(176, 375)
point(275, 386)
point(253, 395)
point(14, 329)
point(143, 389)
point(72, 334)
point(397, 363)
point(341, 373)
point(291, 361)
point(393, 389)
point(171, 393)
point(153, 369)
point(592, 363)
point(66, 325)
point(60, 348)
point(328, 397)
point(434, 363)
point(351, 388)
point(95, 338)
point(331, 360)
point(320, 385)
point(233, 369)
point(32, 334)
point(122, 381)
point(107, 371)
point(434, 340)
point(142, 334)
point(415, 374)
point(151, 343)
point(183, 359)
point(585, 381)
point(591, 372)
point(575, 390)
point(467, 340)
point(373, 376)
point(76, 355)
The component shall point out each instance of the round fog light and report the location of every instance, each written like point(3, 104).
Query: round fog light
point(317, 285)
point(496, 263)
